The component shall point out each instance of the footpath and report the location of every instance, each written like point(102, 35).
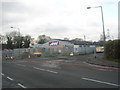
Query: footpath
point(100, 61)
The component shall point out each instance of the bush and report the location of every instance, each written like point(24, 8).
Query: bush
point(112, 50)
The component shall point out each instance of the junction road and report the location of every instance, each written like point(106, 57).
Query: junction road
point(57, 73)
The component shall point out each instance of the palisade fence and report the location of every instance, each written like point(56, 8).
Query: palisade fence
point(52, 51)
point(84, 50)
point(20, 53)
point(16, 53)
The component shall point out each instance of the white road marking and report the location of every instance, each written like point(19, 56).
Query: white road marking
point(2, 74)
point(101, 82)
point(62, 60)
point(21, 65)
point(45, 70)
point(50, 65)
point(21, 85)
point(9, 78)
point(52, 71)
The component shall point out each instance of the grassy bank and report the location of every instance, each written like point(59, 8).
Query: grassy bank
point(111, 59)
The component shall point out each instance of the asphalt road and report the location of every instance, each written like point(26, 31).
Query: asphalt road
point(57, 73)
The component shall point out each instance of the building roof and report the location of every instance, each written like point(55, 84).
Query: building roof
point(42, 45)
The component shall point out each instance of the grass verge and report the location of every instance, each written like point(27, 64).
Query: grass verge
point(111, 59)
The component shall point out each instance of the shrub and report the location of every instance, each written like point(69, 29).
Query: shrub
point(112, 49)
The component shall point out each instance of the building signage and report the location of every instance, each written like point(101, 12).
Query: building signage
point(54, 43)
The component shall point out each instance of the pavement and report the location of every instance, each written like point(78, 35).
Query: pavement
point(100, 61)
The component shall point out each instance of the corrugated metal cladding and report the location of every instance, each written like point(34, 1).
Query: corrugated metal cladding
point(54, 47)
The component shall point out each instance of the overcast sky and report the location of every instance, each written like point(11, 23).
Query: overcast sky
point(60, 18)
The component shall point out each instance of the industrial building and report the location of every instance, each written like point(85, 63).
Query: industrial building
point(53, 47)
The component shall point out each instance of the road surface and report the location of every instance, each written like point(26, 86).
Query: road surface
point(57, 73)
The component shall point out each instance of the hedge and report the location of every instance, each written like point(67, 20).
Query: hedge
point(112, 49)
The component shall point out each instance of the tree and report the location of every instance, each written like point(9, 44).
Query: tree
point(9, 42)
point(43, 38)
point(33, 41)
point(14, 39)
point(66, 39)
point(26, 40)
point(77, 41)
point(2, 39)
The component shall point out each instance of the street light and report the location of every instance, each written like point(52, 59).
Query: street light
point(19, 39)
point(85, 43)
point(104, 38)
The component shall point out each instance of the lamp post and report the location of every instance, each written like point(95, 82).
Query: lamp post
point(19, 39)
point(104, 38)
point(85, 43)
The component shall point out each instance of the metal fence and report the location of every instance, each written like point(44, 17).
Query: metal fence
point(84, 50)
point(11, 54)
point(20, 53)
point(52, 51)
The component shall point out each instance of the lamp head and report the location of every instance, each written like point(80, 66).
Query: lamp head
point(88, 7)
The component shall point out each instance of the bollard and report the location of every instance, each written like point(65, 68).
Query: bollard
point(29, 56)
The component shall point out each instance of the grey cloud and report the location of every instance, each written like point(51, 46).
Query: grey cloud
point(17, 19)
point(95, 24)
point(52, 29)
point(21, 11)
point(13, 7)
point(57, 29)
point(111, 2)
point(16, 8)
